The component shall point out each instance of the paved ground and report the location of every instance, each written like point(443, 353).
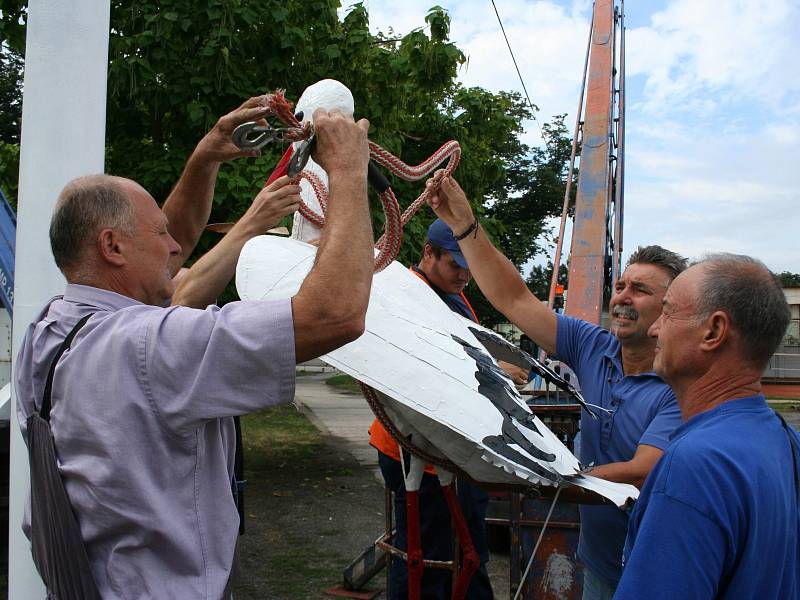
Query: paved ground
point(343, 415)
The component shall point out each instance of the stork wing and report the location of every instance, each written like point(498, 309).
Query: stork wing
point(432, 372)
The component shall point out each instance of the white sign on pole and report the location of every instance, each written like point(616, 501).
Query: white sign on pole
point(63, 136)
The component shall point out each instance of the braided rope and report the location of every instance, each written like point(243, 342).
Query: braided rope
point(408, 172)
point(450, 150)
point(316, 219)
point(392, 238)
point(282, 108)
point(389, 243)
point(377, 408)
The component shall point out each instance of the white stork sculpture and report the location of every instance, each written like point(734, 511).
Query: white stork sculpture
point(435, 379)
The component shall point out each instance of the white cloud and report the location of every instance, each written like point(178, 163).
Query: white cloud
point(713, 108)
point(711, 136)
point(548, 40)
point(740, 50)
point(784, 134)
point(720, 195)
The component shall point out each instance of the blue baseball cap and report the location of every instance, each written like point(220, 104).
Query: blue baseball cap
point(441, 236)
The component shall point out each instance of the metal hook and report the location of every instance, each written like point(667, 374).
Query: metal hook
point(300, 157)
point(267, 134)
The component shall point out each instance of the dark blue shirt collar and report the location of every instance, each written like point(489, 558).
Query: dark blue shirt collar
point(757, 402)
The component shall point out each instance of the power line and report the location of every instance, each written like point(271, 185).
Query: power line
point(524, 89)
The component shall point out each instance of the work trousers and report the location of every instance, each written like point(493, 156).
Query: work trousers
point(436, 534)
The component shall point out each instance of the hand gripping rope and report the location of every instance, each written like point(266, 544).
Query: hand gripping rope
point(389, 246)
point(389, 243)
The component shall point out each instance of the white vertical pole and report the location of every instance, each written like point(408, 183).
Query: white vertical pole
point(63, 136)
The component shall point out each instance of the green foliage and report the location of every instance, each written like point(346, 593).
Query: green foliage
point(529, 188)
point(788, 279)
point(175, 66)
point(10, 95)
point(9, 171)
point(539, 279)
point(534, 190)
point(12, 25)
point(10, 119)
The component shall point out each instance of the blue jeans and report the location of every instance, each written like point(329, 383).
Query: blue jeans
point(597, 588)
point(435, 534)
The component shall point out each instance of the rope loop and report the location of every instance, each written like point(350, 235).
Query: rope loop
point(392, 238)
point(377, 408)
point(389, 243)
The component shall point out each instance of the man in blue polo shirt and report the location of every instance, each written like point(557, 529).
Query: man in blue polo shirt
point(614, 370)
point(718, 516)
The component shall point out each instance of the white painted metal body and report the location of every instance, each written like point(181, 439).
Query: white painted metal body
point(426, 379)
point(63, 136)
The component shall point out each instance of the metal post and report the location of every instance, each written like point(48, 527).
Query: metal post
point(63, 136)
point(619, 183)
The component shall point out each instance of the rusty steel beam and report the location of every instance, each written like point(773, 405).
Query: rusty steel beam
point(589, 237)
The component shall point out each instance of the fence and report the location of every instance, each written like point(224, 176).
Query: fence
point(785, 363)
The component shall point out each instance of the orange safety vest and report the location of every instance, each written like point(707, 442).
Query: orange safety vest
point(382, 440)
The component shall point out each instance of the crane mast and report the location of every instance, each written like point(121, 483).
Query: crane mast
point(596, 245)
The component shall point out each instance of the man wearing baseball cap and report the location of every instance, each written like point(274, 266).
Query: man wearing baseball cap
point(444, 268)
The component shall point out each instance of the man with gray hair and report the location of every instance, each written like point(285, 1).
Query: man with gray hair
point(143, 397)
point(718, 516)
point(614, 370)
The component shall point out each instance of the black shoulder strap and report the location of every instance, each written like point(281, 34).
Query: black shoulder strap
point(44, 412)
point(239, 481)
point(794, 448)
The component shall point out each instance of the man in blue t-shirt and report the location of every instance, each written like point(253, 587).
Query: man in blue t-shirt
point(718, 517)
point(614, 370)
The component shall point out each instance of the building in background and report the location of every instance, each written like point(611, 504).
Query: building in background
point(784, 366)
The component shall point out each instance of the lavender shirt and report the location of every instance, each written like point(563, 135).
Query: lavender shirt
point(141, 420)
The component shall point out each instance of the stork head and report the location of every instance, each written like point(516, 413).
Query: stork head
point(327, 94)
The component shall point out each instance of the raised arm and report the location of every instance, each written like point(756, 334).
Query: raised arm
point(633, 471)
point(189, 205)
point(498, 279)
point(329, 309)
point(205, 281)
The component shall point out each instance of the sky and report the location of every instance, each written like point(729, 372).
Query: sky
point(712, 115)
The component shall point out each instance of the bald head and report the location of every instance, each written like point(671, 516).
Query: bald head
point(86, 206)
point(751, 296)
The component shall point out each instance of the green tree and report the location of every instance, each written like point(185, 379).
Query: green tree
point(532, 190)
point(539, 279)
point(10, 95)
point(789, 279)
point(176, 65)
point(10, 119)
point(536, 182)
